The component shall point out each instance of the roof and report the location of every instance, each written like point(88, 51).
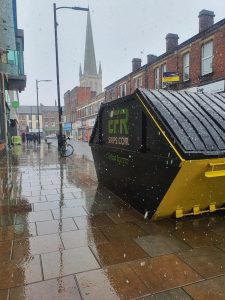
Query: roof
point(49, 108)
point(27, 109)
point(199, 35)
point(32, 109)
point(195, 122)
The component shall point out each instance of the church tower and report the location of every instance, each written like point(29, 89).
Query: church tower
point(90, 77)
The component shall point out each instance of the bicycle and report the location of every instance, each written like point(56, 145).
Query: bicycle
point(66, 149)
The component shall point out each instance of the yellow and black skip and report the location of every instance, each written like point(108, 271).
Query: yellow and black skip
point(174, 151)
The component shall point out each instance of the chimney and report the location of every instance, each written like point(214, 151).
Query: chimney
point(206, 19)
point(171, 41)
point(151, 58)
point(136, 64)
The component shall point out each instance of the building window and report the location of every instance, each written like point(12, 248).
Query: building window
point(156, 75)
point(163, 69)
point(207, 58)
point(123, 90)
point(138, 82)
point(186, 66)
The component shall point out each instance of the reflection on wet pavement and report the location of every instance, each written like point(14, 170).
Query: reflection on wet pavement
point(63, 236)
point(55, 289)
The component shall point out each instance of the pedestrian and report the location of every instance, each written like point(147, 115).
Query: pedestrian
point(27, 137)
point(35, 138)
point(30, 138)
point(23, 137)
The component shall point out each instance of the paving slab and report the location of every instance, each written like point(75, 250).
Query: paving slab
point(100, 220)
point(34, 217)
point(36, 245)
point(4, 294)
point(117, 282)
point(207, 261)
point(49, 227)
point(208, 290)
point(17, 231)
point(83, 237)
point(118, 252)
point(164, 272)
point(5, 250)
point(14, 273)
point(66, 262)
point(176, 294)
point(160, 244)
point(55, 289)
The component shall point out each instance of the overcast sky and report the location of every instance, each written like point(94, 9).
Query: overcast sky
point(122, 29)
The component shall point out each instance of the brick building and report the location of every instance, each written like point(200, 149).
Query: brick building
point(48, 118)
point(86, 116)
point(81, 108)
point(74, 99)
point(199, 61)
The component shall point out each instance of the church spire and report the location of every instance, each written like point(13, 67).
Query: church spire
point(100, 69)
point(89, 59)
point(80, 71)
point(89, 77)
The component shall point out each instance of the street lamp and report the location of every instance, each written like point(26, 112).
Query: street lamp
point(39, 134)
point(57, 65)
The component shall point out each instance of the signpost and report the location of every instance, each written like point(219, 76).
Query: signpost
point(15, 104)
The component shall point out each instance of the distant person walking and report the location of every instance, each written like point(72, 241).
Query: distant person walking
point(27, 138)
point(35, 139)
point(23, 137)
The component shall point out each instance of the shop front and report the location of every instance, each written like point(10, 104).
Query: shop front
point(213, 87)
point(91, 123)
point(67, 128)
point(77, 130)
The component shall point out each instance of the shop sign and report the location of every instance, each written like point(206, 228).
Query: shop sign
point(35, 130)
point(78, 124)
point(117, 128)
point(85, 124)
point(91, 122)
point(214, 87)
point(67, 126)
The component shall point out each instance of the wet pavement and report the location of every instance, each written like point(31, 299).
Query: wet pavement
point(63, 236)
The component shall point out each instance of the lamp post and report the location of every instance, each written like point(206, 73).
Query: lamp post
point(57, 65)
point(39, 134)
